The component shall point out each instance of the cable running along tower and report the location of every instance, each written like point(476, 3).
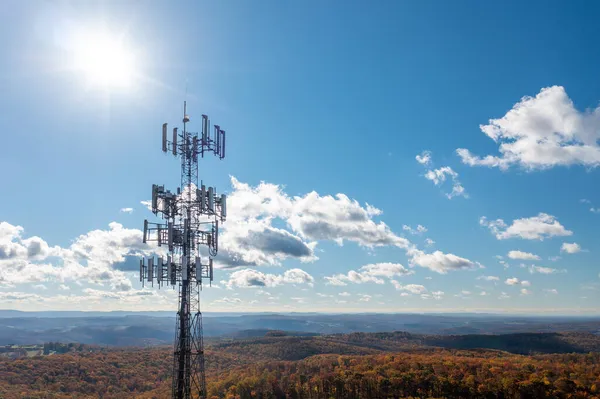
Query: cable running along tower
point(191, 217)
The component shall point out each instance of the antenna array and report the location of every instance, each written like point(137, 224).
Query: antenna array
point(191, 217)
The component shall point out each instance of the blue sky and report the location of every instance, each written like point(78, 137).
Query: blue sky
point(328, 104)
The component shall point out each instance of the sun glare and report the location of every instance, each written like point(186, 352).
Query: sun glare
point(104, 60)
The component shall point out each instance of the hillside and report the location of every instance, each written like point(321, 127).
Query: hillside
point(340, 365)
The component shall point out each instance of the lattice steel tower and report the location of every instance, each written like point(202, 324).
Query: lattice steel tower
point(191, 218)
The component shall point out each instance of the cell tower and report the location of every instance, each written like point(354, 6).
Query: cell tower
point(191, 218)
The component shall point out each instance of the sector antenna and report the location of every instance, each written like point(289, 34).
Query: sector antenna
point(190, 221)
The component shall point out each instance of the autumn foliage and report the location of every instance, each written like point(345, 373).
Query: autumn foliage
point(316, 368)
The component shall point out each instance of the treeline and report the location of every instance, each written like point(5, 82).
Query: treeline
point(439, 374)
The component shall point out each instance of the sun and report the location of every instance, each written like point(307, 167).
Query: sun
point(104, 60)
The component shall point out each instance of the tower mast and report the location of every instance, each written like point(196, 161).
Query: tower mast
point(191, 218)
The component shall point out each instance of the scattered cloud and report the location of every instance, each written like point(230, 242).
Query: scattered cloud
point(525, 291)
point(441, 262)
point(344, 293)
point(429, 242)
point(417, 231)
point(516, 281)
point(544, 270)
point(551, 291)
point(488, 278)
point(440, 175)
point(523, 255)
point(412, 288)
point(554, 258)
point(542, 132)
point(126, 210)
point(369, 273)
point(570, 248)
point(365, 298)
point(533, 228)
point(246, 278)
point(424, 158)
point(228, 300)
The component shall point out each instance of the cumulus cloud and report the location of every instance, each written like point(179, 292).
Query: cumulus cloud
point(544, 270)
point(126, 210)
point(417, 231)
point(90, 257)
point(570, 248)
point(523, 255)
point(247, 278)
point(525, 291)
point(551, 291)
point(429, 242)
point(411, 288)
point(516, 281)
point(365, 298)
point(542, 132)
point(250, 237)
point(532, 228)
point(441, 262)
point(440, 175)
point(488, 278)
point(424, 158)
point(369, 273)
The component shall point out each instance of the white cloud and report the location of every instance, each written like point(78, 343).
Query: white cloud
point(249, 238)
point(365, 298)
point(544, 270)
point(551, 291)
point(418, 231)
point(441, 262)
point(424, 158)
point(344, 293)
point(523, 255)
point(228, 300)
point(369, 273)
point(504, 295)
point(554, 258)
point(595, 210)
point(385, 270)
point(437, 294)
point(585, 201)
point(412, 288)
point(465, 292)
point(429, 242)
point(525, 291)
point(324, 295)
point(488, 278)
point(570, 248)
point(516, 281)
point(126, 210)
point(92, 257)
point(353, 277)
point(483, 293)
point(253, 278)
point(64, 287)
point(533, 228)
point(440, 175)
point(542, 132)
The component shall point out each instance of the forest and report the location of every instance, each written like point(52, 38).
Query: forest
point(383, 365)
